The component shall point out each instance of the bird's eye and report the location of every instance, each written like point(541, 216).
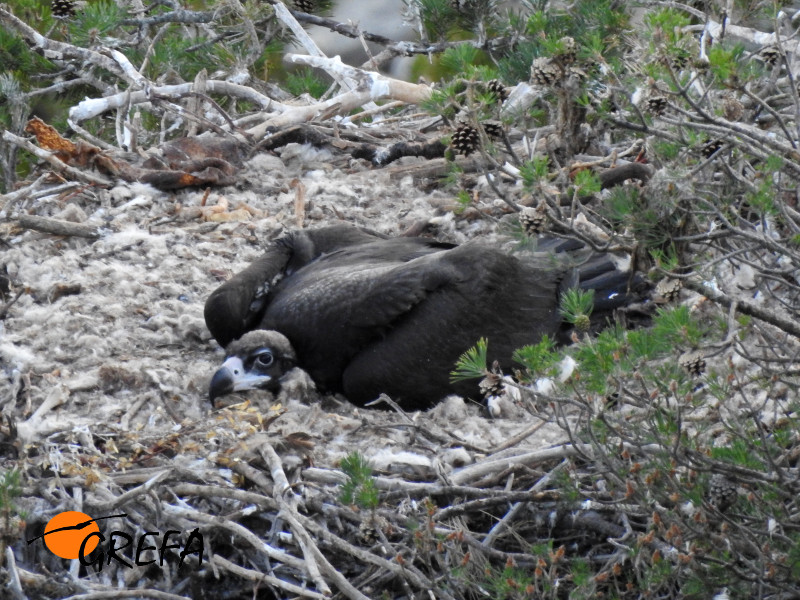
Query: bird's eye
point(264, 358)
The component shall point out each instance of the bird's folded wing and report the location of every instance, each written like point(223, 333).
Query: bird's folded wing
point(454, 276)
point(236, 306)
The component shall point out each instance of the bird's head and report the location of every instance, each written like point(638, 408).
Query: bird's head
point(257, 360)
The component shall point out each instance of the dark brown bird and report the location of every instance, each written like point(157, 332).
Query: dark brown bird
point(363, 314)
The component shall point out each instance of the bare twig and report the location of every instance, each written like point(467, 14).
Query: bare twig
point(258, 577)
point(57, 226)
point(748, 308)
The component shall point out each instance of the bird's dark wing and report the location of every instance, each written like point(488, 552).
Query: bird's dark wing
point(482, 293)
point(237, 306)
point(401, 312)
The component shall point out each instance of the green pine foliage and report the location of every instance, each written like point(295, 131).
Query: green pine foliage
point(593, 25)
point(10, 490)
point(438, 17)
point(17, 58)
point(473, 363)
point(306, 81)
point(359, 489)
point(576, 305)
point(96, 23)
point(534, 171)
point(10, 514)
point(538, 359)
point(587, 182)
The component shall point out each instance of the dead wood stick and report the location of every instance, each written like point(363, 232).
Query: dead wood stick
point(633, 170)
point(390, 486)
point(55, 50)
point(376, 85)
point(216, 492)
point(299, 202)
point(6, 200)
point(287, 501)
point(516, 439)
point(5, 307)
point(489, 467)
point(747, 308)
point(369, 86)
point(11, 564)
point(118, 593)
point(118, 501)
point(407, 571)
point(308, 543)
point(504, 523)
point(57, 226)
point(237, 531)
point(480, 504)
point(259, 577)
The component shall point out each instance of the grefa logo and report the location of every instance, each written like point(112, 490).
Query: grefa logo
point(72, 534)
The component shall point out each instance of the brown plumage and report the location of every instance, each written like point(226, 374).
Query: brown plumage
point(367, 314)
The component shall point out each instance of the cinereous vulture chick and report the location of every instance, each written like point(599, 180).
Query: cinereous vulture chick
point(364, 314)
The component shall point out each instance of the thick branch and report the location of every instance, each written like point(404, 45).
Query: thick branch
point(94, 107)
point(369, 86)
point(378, 86)
point(58, 227)
point(174, 16)
point(743, 306)
point(395, 47)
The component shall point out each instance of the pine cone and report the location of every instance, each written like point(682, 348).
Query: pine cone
point(722, 492)
point(568, 52)
point(493, 129)
point(368, 528)
point(656, 105)
point(711, 147)
point(544, 71)
point(577, 73)
point(669, 288)
point(62, 9)
point(492, 385)
point(498, 90)
point(732, 109)
point(465, 140)
point(680, 60)
point(770, 55)
point(694, 362)
point(534, 219)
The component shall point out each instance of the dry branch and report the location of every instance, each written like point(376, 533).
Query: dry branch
point(94, 107)
point(743, 306)
point(366, 86)
point(392, 47)
point(135, 593)
point(270, 580)
point(480, 470)
point(57, 226)
point(287, 501)
point(238, 531)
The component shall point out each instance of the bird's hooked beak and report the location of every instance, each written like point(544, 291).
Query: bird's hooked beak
point(233, 377)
